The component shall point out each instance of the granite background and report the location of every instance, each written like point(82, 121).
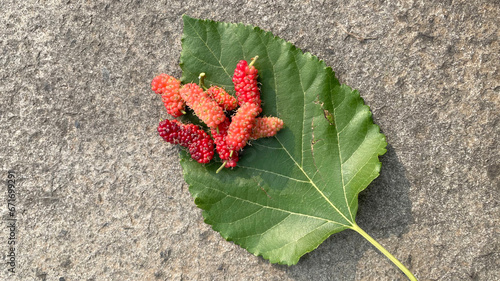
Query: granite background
point(101, 197)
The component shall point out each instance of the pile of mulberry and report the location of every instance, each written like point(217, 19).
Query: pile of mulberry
point(232, 120)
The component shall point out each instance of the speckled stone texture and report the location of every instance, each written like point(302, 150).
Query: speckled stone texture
point(101, 196)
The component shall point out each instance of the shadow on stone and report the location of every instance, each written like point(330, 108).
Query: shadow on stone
point(384, 210)
point(385, 206)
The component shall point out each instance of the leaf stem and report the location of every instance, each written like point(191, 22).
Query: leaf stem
point(405, 270)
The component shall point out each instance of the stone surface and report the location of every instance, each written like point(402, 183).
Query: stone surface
point(101, 197)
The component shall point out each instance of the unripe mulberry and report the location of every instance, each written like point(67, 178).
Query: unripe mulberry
point(266, 127)
point(223, 150)
point(225, 100)
point(199, 143)
point(168, 87)
point(205, 108)
point(245, 84)
point(241, 126)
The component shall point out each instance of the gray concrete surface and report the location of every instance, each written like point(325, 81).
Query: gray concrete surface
point(101, 197)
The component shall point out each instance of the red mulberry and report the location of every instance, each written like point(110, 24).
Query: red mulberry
point(245, 84)
point(205, 108)
point(241, 126)
point(223, 150)
point(202, 150)
point(168, 87)
point(199, 143)
point(225, 100)
point(266, 127)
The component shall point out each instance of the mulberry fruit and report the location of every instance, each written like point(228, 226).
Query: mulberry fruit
point(169, 130)
point(241, 126)
point(245, 83)
point(199, 143)
point(219, 135)
point(168, 87)
point(266, 127)
point(202, 150)
point(225, 100)
point(189, 134)
point(205, 108)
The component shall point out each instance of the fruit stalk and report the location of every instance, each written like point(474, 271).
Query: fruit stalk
point(201, 80)
point(253, 61)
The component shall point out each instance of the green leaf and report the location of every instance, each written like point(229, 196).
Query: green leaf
point(290, 192)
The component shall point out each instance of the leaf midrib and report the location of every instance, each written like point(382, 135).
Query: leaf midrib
point(341, 164)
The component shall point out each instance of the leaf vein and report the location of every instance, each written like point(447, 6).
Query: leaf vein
point(273, 173)
point(268, 147)
point(303, 116)
point(340, 164)
point(269, 229)
point(273, 71)
point(208, 47)
point(349, 123)
point(355, 150)
point(293, 241)
point(313, 184)
point(204, 61)
point(240, 219)
point(361, 168)
point(269, 207)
